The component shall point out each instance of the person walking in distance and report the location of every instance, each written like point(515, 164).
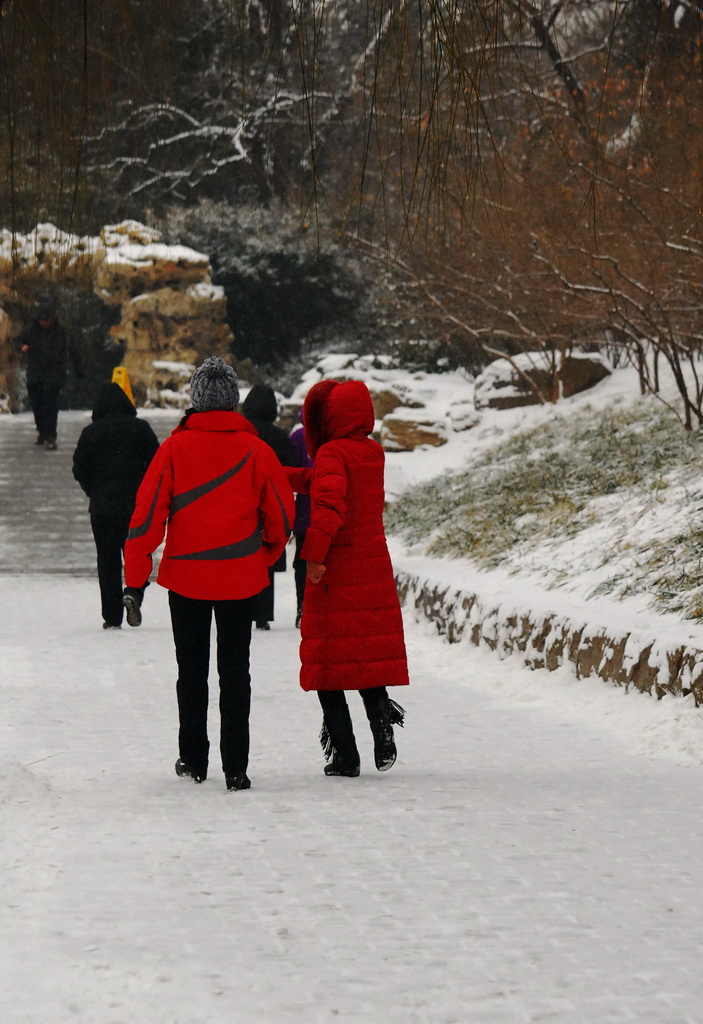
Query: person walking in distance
point(261, 409)
point(301, 521)
point(45, 345)
point(110, 459)
point(222, 499)
point(351, 629)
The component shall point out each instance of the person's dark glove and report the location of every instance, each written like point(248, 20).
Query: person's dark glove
point(136, 592)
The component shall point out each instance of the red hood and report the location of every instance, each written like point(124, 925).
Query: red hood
point(335, 409)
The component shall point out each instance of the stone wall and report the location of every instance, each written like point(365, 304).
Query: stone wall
point(549, 640)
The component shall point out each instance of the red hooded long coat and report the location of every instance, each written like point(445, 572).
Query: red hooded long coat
point(228, 506)
point(351, 629)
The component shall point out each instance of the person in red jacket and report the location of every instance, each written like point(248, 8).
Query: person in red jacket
point(351, 626)
point(229, 509)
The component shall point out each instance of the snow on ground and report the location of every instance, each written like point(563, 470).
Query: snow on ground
point(531, 857)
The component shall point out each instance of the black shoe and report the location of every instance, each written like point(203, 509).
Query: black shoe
point(184, 770)
point(339, 767)
point(50, 443)
point(298, 618)
point(131, 603)
point(240, 780)
point(109, 625)
point(262, 625)
point(40, 439)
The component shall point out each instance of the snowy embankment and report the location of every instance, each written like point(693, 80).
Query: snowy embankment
point(603, 588)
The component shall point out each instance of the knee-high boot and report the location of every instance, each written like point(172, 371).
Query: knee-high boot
point(383, 713)
point(337, 735)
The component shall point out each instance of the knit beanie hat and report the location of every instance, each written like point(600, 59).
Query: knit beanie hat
point(214, 385)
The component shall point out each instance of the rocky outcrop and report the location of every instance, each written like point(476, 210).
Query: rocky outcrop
point(168, 387)
point(528, 379)
point(170, 311)
point(423, 409)
point(405, 430)
point(385, 400)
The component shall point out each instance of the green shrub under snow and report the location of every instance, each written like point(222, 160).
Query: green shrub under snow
point(549, 490)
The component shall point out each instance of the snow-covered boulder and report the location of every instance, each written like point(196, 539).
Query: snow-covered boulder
point(412, 408)
point(407, 429)
point(171, 311)
point(129, 232)
point(181, 326)
point(122, 272)
point(169, 384)
point(462, 414)
point(47, 249)
point(522, 379)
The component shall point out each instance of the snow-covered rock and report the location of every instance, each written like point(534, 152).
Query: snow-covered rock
point(407, 429)
point(414, 409)
point(129, 270)
point(529, 379)
point(129, 232)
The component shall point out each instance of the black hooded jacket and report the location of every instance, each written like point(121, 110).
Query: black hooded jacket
point(47, 353)
point(261, 409)
point(113, 453)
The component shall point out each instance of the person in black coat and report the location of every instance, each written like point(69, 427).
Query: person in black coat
point(45, 345)
point(261, 409)
point(110, 459)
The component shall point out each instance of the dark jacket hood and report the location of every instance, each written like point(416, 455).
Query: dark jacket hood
point(112, 399)
point(260, 404)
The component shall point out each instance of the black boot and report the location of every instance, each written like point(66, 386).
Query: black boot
point(383, 713)
point(337, 736)
point(185, 770)
point(240, 780)
point(338, 767)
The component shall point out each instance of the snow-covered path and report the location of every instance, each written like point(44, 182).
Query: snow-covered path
point(518, 864)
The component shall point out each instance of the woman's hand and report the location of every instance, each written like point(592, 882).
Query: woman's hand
point(315, 571)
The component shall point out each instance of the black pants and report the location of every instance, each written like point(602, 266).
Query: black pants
point(338, 720)
point(263, 609)
point(110, 533)
point(44, 400)
point(191, 622)
point(299, 570)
